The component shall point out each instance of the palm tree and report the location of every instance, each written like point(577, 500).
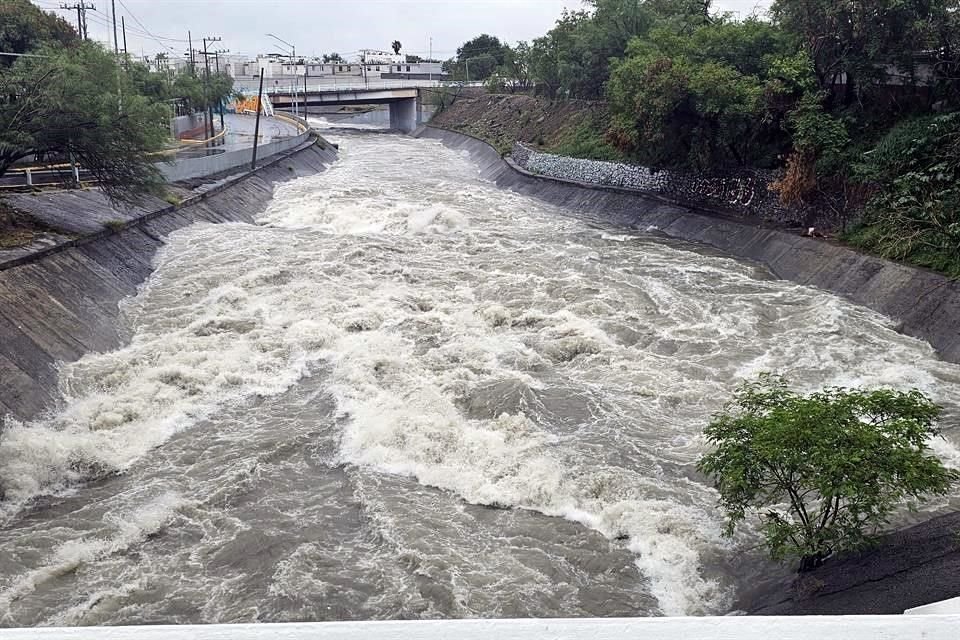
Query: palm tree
point(396, 46)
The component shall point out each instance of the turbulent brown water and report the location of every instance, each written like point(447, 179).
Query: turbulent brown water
point(406, 393)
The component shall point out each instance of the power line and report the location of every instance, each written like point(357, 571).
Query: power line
point(106, 23)
point(144, 27)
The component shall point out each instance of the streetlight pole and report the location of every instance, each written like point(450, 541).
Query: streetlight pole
point(216, 58)
point(206, 64)
point(293, 59)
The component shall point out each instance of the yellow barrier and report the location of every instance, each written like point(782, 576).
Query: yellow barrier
point(219, 135)
point(300, 127)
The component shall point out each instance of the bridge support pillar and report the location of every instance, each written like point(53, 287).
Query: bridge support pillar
point(403, 115)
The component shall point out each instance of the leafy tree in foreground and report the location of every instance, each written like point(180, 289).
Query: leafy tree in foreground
point(823, 471)
point(76, 103)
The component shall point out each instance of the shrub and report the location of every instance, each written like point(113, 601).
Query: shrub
point(823, 471)
point(915, 214)
point(586, 141)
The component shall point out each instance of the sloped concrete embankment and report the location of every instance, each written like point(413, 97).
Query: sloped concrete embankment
point(926, 304)
point(909, 568)
point(61, 302)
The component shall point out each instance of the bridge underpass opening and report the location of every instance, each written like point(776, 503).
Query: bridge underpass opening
point(404, 105)
point(404, 115)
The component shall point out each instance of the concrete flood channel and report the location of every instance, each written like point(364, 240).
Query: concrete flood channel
point(377, 392)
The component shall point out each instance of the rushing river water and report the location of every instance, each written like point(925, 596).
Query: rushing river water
point(406, 393)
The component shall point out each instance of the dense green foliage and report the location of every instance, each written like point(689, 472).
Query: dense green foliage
point(23, 28)
point(915, 214)
point(713, 98)
point(195, 91)
point(823, 471)
point(477, 59)
point(815, 88)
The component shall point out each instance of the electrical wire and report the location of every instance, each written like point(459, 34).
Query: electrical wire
point(144, 27)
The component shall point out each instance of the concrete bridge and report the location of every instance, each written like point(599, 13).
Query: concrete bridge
point(405, 104)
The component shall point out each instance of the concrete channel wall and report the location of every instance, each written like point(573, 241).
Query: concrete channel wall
point(926, 304)
point(60, 303)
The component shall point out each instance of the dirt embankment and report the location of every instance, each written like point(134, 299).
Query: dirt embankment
point(503, 119)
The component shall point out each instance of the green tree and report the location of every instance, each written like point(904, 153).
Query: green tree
point(482, 55)
point(823, 471)
point(856, 45)
point(76, 104)
point(24, 28)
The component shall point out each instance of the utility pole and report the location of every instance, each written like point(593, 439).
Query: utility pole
point(206, 64)
point(81, 8)
point(216, 57)
point(113, 12)
point(190, 44)
point(126, 59)
point(256, 126)
point(431, 58)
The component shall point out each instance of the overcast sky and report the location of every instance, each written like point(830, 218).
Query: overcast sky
point(322, 26)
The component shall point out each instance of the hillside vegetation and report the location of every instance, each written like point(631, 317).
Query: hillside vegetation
point(854, 103)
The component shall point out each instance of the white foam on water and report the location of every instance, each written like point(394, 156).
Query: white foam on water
point(475, 341)
point(220, 348)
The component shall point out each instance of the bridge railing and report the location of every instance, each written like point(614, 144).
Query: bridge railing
point(286, 87)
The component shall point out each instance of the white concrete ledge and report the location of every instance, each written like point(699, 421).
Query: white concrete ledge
point(718, 628)
point(944, 607)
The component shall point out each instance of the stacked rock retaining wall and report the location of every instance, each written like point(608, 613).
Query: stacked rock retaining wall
point(746, 193)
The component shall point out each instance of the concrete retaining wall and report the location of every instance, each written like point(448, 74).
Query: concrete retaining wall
point(189, 126)
point(185, 169)
point(61, 303)
point(926, 304)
